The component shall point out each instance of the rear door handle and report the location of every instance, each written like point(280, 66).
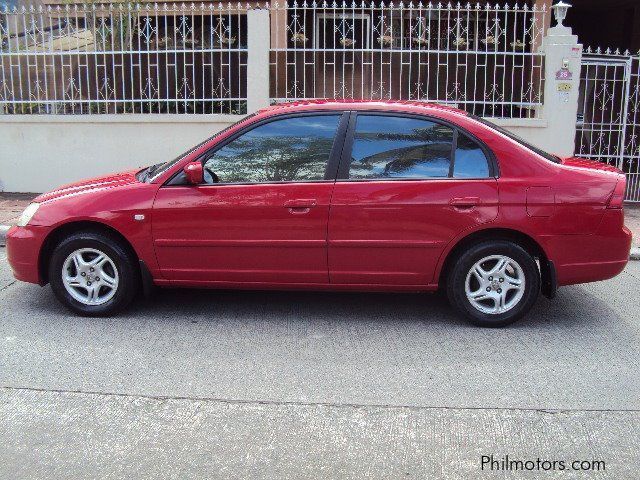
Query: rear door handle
point(301, 203)
point(464, 202)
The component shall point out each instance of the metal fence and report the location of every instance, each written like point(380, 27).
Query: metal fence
point(192, 58)
point(123, 58)
point(482, 58)
point(608, 125)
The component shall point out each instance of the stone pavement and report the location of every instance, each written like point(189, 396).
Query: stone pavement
point(194, 384)
point(632, 221)
point(12, 205)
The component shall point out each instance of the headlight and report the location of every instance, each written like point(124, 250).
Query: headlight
point(28, 214)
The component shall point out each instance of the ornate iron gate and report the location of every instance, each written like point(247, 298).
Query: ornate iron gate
point(609, 113)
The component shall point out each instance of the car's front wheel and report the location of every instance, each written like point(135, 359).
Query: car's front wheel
point(93, 274)
point(493, 283)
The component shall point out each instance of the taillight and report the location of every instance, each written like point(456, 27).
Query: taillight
point(617, 197)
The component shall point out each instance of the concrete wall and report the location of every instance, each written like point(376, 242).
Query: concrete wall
point(41, 152)
point(533, 130)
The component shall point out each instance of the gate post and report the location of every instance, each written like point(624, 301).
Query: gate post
point(258, 42)
point(563, 56)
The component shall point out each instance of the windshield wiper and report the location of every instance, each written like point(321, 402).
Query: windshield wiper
point(150, 171)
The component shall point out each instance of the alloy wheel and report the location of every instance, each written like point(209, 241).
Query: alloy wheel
point(90, 276)
point(495, 284)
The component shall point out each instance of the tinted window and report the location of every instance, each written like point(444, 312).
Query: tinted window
point(154, 171)
point(396, 147)
point(516, 138)
point(470, 160)
point(283, 150)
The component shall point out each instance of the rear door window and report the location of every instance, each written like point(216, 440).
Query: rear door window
point(396, 147)
point(386, 147)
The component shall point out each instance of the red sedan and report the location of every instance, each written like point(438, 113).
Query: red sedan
point(336, 196)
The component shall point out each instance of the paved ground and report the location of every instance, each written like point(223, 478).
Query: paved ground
point(12, 205)
point(200, 384)
point(632, 220)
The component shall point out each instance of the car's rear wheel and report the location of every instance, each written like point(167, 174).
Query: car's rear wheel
point(494, 283)
point(93, 274)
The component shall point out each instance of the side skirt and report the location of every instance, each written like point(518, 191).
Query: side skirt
point(295, 286)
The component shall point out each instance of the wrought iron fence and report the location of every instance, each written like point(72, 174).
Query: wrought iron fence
point(192, 58)
point(483, 58)
point(123, 58)
point(608, 126)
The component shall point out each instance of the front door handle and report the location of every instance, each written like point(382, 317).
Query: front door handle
point(300, 206)
point(464, 202)
point(301, 203)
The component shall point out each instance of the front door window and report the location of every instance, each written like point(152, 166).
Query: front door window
point(287, 150)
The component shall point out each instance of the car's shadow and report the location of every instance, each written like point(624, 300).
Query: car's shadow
point(345, 306)
point(575, 306)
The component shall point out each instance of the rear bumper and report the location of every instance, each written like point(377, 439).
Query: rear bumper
point(590, 258)
point(23, 251)
point(570, 274)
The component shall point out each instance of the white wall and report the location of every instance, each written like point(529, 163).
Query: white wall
point(41, 152)
point(534, 130)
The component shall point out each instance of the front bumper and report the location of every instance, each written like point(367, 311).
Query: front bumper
point(23, 252)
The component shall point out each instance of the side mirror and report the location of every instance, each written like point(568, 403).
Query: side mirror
point(194, 173)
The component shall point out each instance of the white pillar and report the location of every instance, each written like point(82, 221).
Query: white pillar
point(563, 56)
point(258, 41)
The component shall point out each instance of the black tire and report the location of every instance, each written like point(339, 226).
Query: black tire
point(457, 277)
point(125, 263)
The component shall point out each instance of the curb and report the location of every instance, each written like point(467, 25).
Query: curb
point(634, 255)
point(3, 234)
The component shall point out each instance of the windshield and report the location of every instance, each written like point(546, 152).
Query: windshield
point(516, 138)
point(149, 174)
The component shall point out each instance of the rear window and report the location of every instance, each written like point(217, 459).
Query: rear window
point(516, 138)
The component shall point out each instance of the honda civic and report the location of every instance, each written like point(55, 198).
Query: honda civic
point(336, 195)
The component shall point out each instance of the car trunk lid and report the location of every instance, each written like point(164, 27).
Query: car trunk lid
point(588, 164)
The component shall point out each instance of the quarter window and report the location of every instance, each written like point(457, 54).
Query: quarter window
point(470, 160)
point(398, 147)
point(291, 149)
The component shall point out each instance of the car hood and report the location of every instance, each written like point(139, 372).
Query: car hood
point(117, 180)
point(589, 164)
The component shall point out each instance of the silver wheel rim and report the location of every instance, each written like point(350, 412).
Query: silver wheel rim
point(90, 276)
point(495, 284)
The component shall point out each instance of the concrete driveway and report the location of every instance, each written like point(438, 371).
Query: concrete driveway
point(205, 384)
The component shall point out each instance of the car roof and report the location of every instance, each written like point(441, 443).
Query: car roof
point(407, 106)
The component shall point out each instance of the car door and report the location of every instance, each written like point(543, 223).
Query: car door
point(261, 215)
point(406, 187)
